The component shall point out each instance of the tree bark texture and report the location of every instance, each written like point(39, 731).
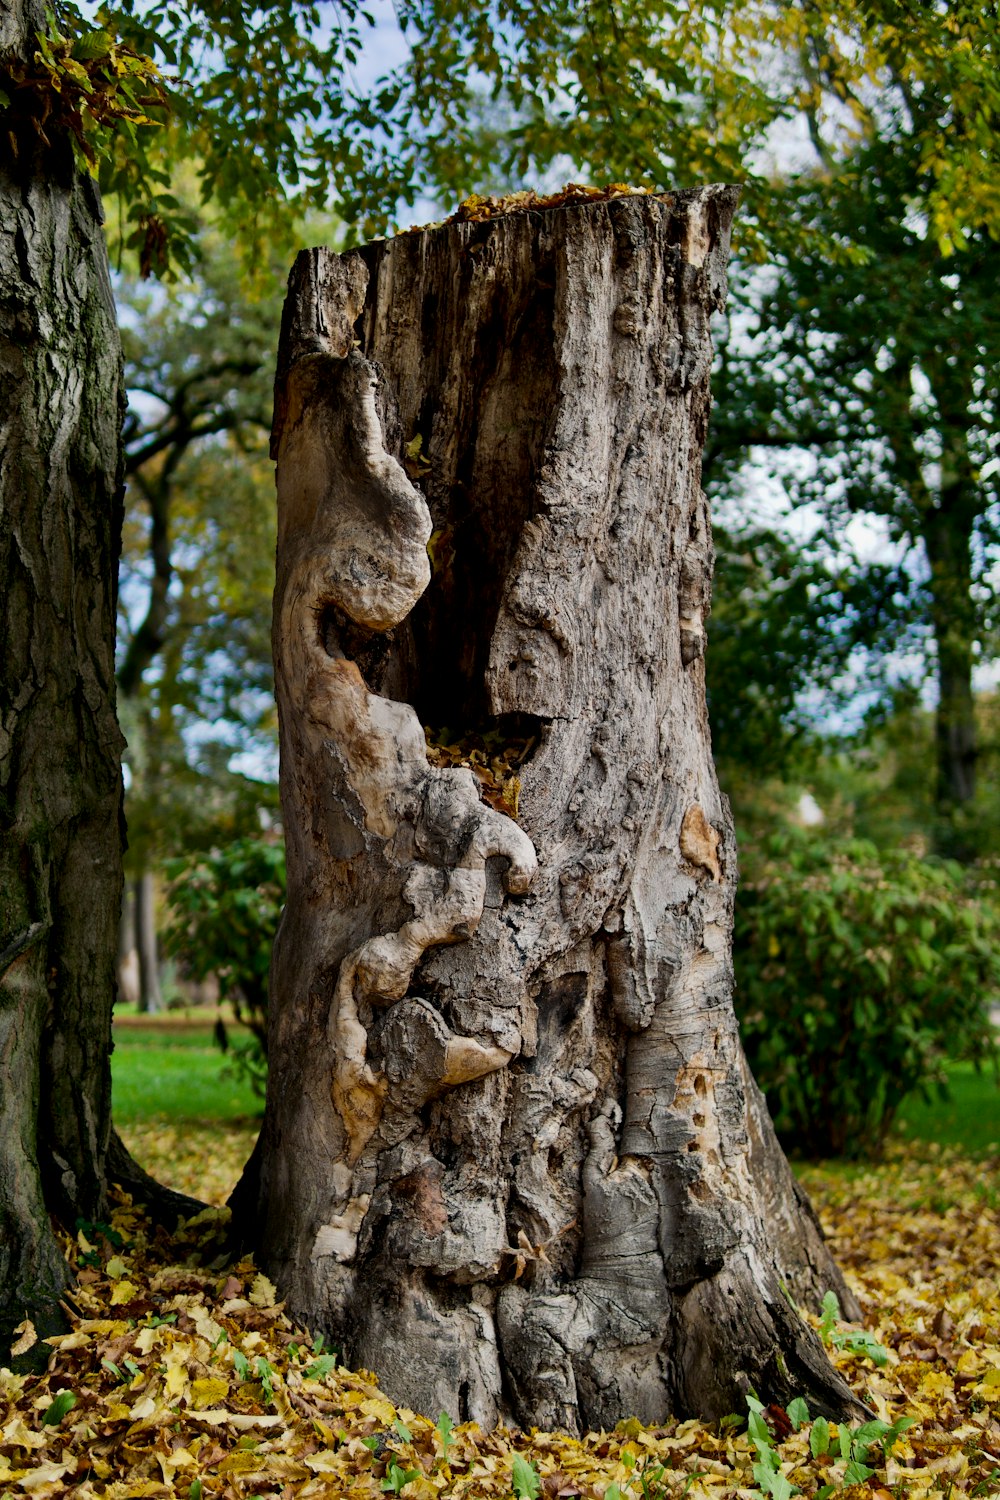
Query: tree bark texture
point(512, 1159)
point(61, 406)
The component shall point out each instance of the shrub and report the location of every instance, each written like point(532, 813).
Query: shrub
point(859, 971)
point(224, 909)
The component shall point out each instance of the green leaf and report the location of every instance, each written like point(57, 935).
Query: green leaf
point(241, 1364)
point(265, 1374)
point(819, 1437)
point(857, 1472)
point(445, 1427)
point(402, 1430)
point(53, 1415)
point(830, 1309)
point(895, 1432)
point(525, 1479)
point(798, 1413)
point(321, 1367)
point(396, 1477)
point(92, 45)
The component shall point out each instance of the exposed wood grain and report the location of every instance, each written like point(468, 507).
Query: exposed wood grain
point(511, 1156)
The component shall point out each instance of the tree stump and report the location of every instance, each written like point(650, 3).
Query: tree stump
point(512, 1159)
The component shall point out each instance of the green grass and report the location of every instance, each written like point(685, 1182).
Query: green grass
point(177, 1074)
point(969, 1119)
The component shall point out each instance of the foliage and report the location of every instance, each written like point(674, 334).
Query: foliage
point(225, 907)
point(194, 673)
point(854, 1446)
point(112, 103)
point(266, 105)
point(859, 1341)
point(159, 1334)
point(787, 623)
point(858, 972)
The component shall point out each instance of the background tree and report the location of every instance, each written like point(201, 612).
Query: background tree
point(883, 368)
point(194, 674)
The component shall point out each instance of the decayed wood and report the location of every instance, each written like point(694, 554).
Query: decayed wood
point(511, 1157)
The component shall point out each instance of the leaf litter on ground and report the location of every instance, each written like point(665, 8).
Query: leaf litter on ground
point(183, 1376)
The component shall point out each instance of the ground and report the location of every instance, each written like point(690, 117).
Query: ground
point(183, 1377)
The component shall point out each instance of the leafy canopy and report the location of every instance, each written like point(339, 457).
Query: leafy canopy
point(268, 102)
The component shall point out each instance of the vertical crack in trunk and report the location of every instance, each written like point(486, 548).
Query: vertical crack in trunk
point(511, 1157)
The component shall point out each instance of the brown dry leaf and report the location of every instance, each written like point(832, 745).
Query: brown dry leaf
point(25, 1338)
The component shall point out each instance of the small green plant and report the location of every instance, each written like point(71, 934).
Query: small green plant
point(265, 1374)
point(53, 1414)
point(525, 1479)
point(646, 1481)
point(853, 1446)
point(396, 1477)
point(854, 1340)
point(859, 972)
point(225, 908)
point(767, 1469)
point(321, 1367)
point(445, 1428)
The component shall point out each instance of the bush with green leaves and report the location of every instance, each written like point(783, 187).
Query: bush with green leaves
point(859, 972)
point(224, 911)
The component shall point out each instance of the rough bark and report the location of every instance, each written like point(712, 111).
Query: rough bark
point(511, 1157)
point(61, 405)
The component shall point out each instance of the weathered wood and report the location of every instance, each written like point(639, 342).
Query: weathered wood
point(511, 1158)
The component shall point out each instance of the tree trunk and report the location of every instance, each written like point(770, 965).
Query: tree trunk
point(511, 1157)
point(128, 952)
point(948, 529)
point(61, 403)
point(150, 996)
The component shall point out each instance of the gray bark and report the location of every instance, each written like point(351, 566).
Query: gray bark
point(511, 1158)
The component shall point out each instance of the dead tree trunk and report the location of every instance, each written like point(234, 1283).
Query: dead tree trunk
point(512, 1159)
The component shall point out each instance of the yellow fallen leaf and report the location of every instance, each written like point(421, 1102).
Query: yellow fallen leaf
point(205, 1326)
point(324, 1462)
point(205, 1393)
point(43, 1475)
point(175, 1381)
point(242, 1421)
point(115, 1268)
point(263, 1292)
point(241, 1463)
point(380, 1409)
point(16, 1435)
point(123, 1291)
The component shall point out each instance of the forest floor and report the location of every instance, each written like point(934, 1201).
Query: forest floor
point(182, 1376)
